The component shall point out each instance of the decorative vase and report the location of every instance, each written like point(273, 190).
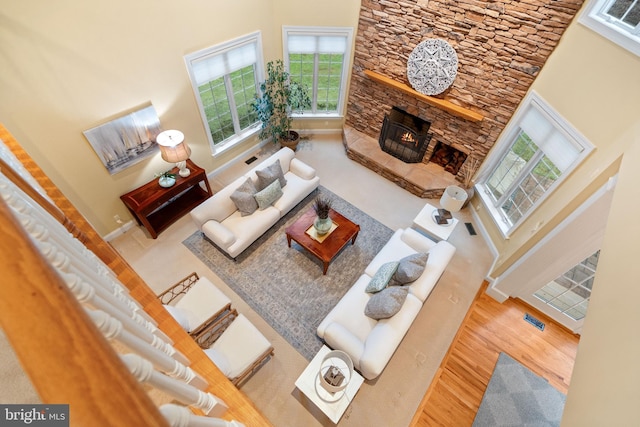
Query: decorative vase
point(322, 225)
point(166, 181)
point(470, 192)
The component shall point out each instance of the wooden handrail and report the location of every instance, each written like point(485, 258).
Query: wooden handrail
point(241, 408)
point(443, 104)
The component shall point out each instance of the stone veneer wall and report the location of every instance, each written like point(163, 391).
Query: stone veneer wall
point(501, 47)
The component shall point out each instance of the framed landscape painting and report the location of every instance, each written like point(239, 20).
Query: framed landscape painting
point(125, 141)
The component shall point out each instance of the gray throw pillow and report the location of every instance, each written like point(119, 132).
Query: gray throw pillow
point(269, 195)
point(269, 174)
point(244, 198)
point(386, 303)
point(409, 269)
point(380, 280)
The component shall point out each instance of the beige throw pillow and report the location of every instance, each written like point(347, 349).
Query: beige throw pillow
point(386, 303)
point(269, 174)
point(409, 269)
point(244, 198)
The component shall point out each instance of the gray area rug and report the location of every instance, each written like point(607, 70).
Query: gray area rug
point(516, 396)
point(285, 286)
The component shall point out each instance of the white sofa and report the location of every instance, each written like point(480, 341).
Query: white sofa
point(370, 343)
point(220, 220)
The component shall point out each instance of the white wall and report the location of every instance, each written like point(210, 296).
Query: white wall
point(70, 65)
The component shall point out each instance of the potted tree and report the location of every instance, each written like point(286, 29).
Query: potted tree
point(279, 98)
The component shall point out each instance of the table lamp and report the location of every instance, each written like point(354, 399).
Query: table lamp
point(452, 200)
point(174, 149)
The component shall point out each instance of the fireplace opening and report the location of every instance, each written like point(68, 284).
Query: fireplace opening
point(404, 136)
point(451, 159)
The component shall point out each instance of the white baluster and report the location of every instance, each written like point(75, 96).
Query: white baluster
point(181, 416)
point(113, 330)
point(46, 231)
point(143, 371)
point(86, 294)
point(10, 159)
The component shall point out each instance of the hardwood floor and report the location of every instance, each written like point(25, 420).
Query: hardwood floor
point(488, 329)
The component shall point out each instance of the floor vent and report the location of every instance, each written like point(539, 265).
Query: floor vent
point(535, 322)
point(251, 160)
point(470, 228)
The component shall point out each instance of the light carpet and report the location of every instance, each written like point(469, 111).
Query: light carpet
point(285, 286)
point(516, 396)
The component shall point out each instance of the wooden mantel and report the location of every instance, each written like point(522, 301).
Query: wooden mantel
point(445, 105)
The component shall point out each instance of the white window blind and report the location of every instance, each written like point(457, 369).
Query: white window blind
point(316, 44)
point(539, 127)
point(218, 64)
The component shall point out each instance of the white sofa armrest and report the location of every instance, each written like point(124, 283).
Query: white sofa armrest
point(218, 234)
point(419, 242)
point(302, 169)
point(339, 337)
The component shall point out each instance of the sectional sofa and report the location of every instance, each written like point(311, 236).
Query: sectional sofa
point(233, 230)
point(371, 342)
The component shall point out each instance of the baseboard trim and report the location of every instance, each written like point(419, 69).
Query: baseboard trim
point(119, 231)
point(494, 292)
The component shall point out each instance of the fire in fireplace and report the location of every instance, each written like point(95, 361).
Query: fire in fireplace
point(451, 159)
point(404, 136)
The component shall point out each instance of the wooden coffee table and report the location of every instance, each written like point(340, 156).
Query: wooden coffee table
point(326, 250)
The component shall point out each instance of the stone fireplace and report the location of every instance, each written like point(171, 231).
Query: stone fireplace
point(404, 136)
point(501, 48)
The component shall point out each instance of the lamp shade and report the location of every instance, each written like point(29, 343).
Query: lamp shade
point(453, 198)
point(173, 148)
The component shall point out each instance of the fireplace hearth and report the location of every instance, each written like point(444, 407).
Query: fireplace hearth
point(404, 136)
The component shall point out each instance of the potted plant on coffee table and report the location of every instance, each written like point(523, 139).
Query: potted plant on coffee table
point(279, 98)
point(322, 223)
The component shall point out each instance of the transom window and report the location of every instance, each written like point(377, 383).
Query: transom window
point(318, 57)
point(617, 20)
point(540, 149)
point(225, 81)
point(570, 293)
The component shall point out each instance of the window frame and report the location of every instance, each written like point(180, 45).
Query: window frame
point(593, 17)
point(504, 144)
point(214, 51)
point(347, 33)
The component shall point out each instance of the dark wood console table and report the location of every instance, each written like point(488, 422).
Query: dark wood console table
point(156, 208)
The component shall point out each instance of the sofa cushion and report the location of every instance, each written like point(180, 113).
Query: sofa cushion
point(386, 303)
point(343, 313)
point(219, 206)
point(247, 229)
point(269, 195)
point(244, 198)
point(382, 277)
point(409, 269)
point(296, 190)
point(269, 174)
point(397, 248)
